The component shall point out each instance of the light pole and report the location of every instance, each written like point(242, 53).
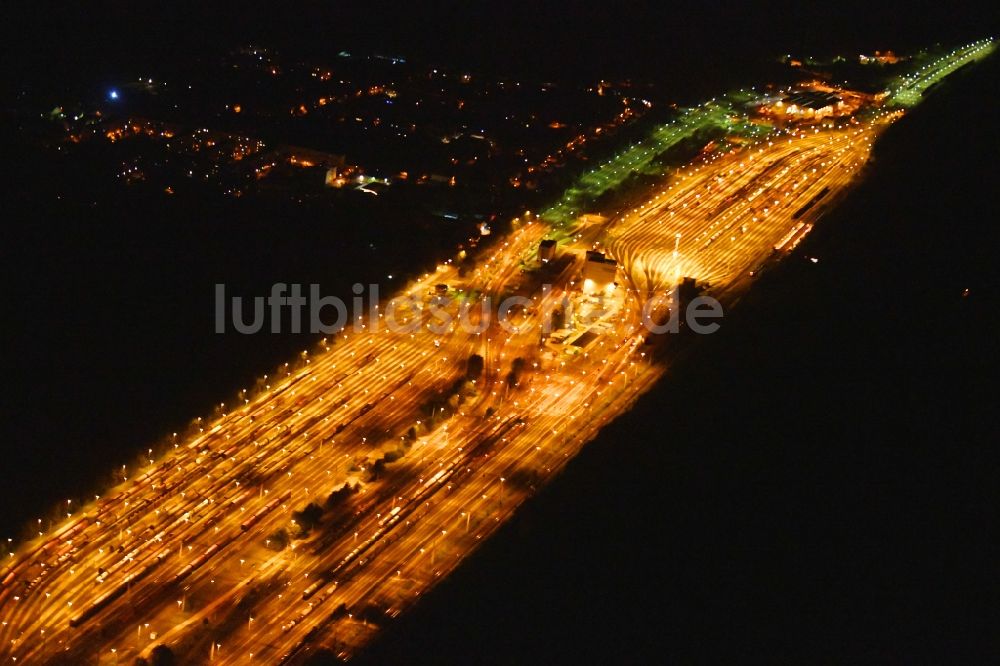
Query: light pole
point(677, 242)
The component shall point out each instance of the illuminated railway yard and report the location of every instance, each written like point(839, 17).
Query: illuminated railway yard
point(180, 552)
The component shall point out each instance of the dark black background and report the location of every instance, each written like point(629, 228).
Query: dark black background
point(677, 42)
point(816, 482)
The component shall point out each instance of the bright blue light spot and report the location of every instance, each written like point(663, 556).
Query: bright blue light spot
point(113, 94)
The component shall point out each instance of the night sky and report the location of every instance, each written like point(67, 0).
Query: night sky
point(629, 39)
